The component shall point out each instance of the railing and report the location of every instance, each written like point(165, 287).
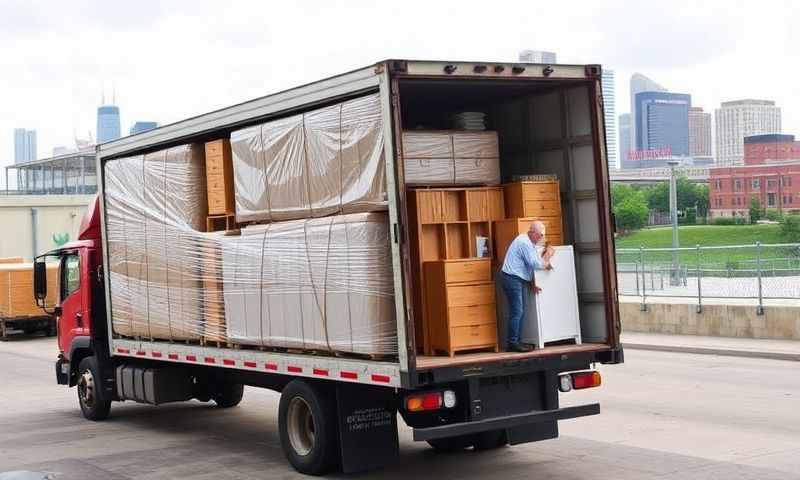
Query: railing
point(754, 272)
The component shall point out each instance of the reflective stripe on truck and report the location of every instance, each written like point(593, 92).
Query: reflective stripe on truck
point(332, 368)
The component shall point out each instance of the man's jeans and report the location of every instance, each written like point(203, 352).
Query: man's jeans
point(513, 286)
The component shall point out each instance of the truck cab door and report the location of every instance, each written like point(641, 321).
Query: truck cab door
point(73, 318)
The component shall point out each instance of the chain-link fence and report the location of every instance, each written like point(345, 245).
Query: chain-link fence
point(754, 271)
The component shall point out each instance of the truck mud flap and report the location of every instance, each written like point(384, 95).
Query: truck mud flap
point(367, 426)
point(521, 427)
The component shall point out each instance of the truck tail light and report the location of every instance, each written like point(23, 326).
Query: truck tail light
point(579, 380)
point(431, 401)
point(586, 380)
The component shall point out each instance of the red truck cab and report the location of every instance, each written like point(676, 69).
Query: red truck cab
point(80, 301)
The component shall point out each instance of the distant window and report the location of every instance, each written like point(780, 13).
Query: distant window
point(786, 181)
point(772, 183)
point(756, 184)
point(737, 185)
point(718, 184)
point(770, 199)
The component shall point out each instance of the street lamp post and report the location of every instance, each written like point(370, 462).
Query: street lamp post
point(673, 215)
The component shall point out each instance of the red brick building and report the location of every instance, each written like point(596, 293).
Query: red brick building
point(770, 174)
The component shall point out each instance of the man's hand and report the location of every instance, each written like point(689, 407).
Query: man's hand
point(548, 267)
point(536, 290)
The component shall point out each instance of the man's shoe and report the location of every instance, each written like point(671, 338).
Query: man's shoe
point(519, 347)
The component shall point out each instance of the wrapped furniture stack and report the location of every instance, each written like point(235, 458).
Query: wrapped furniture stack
point(311, 269)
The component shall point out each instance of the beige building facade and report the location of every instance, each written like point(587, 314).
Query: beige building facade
point(34, 224)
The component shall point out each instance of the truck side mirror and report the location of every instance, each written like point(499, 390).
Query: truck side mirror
point(40, 281)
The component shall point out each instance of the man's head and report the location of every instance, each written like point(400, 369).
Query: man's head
point(536, 232)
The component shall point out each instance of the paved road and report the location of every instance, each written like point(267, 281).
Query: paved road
point(665, 416)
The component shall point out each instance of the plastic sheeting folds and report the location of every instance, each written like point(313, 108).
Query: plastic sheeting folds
point(451, 157)
point(318, 163)
point(155, 206)
point(319, 284)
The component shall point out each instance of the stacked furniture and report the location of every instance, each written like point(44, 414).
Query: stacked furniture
point(451, 157)
point(525, 202)
point(219, 185)
point(448, 224)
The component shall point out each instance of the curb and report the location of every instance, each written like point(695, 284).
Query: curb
point(794, 357)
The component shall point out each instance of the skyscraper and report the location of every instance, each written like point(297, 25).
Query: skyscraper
point(699, 133)
point(141, 126)
point(662, 122)
point(624, 139)
point(107, 123)
point(537, 56)
point(743, 118)
point(640, 83)
point(24, 145)
point(610, 112)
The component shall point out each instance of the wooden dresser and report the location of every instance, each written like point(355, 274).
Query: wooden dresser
point(460, 302)
point(525, 202)
point(219, 178)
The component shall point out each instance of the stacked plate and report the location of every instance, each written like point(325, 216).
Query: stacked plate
point(469, 121)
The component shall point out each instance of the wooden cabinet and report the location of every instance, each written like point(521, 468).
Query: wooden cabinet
point(505, 231)
point(460, 304)
point(525, 202)
point(532, 199)
point(219, 178)
point(447, 224)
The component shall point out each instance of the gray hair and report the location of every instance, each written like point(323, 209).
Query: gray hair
point(537, 226)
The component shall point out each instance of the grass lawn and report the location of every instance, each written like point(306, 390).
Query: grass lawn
point(706, 235)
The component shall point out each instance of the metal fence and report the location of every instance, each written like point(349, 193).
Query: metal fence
point(755, 272)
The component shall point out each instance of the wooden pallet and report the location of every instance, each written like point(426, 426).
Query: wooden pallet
point(217, 223)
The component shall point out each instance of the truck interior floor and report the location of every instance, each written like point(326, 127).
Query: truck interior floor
point(427, 362)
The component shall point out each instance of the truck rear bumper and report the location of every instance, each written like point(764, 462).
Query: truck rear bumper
point(500, 423)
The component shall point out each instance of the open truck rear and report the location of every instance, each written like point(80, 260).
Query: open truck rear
point(339, 408)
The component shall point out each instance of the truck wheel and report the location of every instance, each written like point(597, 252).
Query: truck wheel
point(490, 440)
point(91, 397)
point(452, 444)
point(308, 427)
point(228, 395)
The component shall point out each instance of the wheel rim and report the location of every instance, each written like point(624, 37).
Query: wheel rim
point(86, 389)
point(300, 426)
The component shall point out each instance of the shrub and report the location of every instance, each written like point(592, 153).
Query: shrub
point(631, 213)
point(773, 215)
point(790, 228)
point(724, 221)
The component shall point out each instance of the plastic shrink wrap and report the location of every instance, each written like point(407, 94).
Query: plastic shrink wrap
point(449, 157)
point(322, 162)
point(318, 284)
point(155, 208)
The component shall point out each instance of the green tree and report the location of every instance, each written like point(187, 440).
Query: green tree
point(690, 195)
point(632, 212)
point(755, 210)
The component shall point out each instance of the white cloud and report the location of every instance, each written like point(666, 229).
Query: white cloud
point(171, 60)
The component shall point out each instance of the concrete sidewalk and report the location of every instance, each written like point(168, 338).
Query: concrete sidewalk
point(736, 347)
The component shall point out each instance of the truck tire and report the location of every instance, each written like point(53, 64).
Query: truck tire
point(452, 444)
point(91, 397)
point(308, 427)
point(228, 395)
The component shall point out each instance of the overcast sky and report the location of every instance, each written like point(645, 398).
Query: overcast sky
point(169, 60)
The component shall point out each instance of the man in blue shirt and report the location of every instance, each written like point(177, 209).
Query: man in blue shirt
point(517, 274)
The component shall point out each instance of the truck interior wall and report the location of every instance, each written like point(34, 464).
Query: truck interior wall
point(543, 128)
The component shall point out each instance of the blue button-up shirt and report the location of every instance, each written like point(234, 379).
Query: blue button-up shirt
point(522, 258)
